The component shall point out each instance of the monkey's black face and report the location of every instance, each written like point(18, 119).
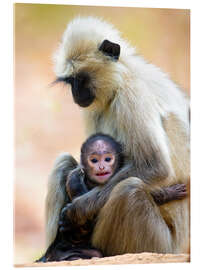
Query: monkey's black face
point(82, 91)
point(80, 84)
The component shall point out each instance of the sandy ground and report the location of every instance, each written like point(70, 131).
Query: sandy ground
point(141, 258)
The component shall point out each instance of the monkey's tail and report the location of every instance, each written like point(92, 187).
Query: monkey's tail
point(56, 194)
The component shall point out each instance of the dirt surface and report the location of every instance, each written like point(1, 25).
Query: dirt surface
point(141, 258)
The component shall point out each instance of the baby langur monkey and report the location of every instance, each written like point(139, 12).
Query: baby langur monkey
point(101, 158)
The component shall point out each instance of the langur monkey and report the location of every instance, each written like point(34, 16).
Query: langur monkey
point(101, 158)
point(137, 104)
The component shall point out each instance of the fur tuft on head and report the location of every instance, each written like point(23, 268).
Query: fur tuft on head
point(82, 38)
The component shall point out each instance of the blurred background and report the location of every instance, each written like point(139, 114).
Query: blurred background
point(47, 121)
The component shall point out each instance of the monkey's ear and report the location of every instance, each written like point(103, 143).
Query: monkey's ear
point(111, 49)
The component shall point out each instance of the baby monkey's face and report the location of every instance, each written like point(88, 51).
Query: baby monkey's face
point(101, 162)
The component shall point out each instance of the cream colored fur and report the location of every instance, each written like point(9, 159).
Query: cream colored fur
point(137, 104)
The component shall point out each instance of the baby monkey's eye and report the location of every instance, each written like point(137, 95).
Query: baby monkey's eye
point(107, 159)
point(94, 160)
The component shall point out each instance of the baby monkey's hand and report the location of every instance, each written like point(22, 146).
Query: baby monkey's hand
point(75, 185)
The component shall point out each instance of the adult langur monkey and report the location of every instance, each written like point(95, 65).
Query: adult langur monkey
point(136, 103)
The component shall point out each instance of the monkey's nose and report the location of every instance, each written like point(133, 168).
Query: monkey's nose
point(101, 168)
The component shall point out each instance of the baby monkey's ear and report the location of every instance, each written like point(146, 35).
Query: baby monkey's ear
point(111, 49)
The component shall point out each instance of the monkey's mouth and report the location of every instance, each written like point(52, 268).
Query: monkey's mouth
point(103, 176)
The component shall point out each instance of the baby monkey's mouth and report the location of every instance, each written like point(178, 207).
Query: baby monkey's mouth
point(102, 177)
point(102, 173)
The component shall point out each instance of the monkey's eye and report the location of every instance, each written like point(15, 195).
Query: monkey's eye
point(94, 160)
point(107, 159)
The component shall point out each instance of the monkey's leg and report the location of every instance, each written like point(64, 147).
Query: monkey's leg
point(56, 194)
point(130, 222)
